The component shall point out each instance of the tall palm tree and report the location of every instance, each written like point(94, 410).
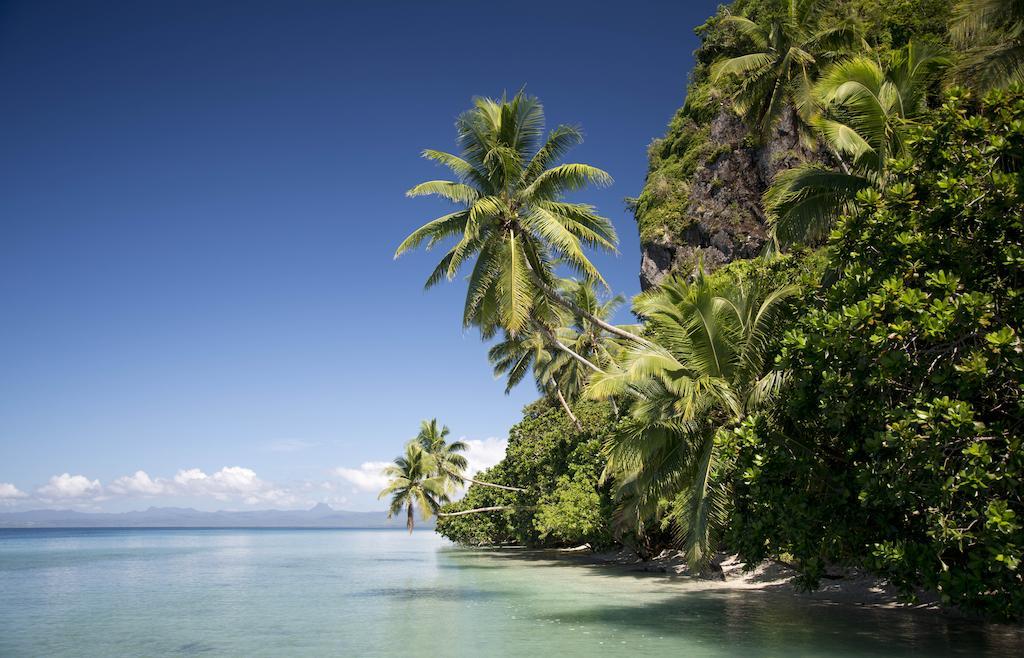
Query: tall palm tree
point(866, 107)
point(991, 36)
point(708, 368)
point(789, 46)
point(513, 218)
point(413, 484)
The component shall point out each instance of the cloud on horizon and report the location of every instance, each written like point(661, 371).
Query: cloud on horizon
point(368, 478)
point(231, 483)
point(10, 493)
point(67, 486)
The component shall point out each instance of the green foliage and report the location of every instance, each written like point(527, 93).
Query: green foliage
point(898, 446)
point(574, 510)
point(709, 366)
point(865, 108)
point(560, 466)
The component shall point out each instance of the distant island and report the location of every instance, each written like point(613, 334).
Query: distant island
point(320, 516)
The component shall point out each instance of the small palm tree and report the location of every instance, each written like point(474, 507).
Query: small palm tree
point(709, 367)
point(991, 36)
point(449, 461)
point(513, 218)
point(867, 105)
point(414, 485)
point(790, 45)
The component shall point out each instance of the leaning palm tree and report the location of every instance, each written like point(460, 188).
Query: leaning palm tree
point(413, 484)
point(866, 107)
point(789, 46)
point(709, 367)
point(512, 216)
point(449, 461)
point(990, 34)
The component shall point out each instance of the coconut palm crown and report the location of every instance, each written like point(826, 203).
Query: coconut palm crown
point(512, 216)
point(991, 34)
point(449, 461)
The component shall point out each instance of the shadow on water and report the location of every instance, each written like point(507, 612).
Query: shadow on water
point(195, 649)
point(758, 621)
point(426, 594)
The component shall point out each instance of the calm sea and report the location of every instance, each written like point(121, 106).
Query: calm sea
point(384, 593)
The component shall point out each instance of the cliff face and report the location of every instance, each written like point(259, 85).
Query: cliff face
point(721, 218)
point(701, 201)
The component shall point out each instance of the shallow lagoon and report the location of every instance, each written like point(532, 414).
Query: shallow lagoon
point(381, 592)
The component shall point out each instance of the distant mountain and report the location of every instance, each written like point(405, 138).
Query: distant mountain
point(320, 516)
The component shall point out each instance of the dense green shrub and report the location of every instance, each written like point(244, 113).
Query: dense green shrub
point(898, 444)
point(560, 466)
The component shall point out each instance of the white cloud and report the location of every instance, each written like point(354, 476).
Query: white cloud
point(70, 486)
point(230, 482)
point(140, 483)
point(483, 454)
point(9, 492)
point(368, 477)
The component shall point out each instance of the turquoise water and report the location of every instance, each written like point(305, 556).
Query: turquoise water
point(384, 593)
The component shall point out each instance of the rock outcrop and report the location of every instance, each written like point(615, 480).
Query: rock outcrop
point(722, 220)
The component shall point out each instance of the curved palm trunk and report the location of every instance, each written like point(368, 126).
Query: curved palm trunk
point(553, 295)
point(495, 508)
point(466, 478)
point(550, 335)
point(410, 519)
point(565, 405)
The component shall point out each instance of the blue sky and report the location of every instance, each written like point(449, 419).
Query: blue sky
point(199, 205)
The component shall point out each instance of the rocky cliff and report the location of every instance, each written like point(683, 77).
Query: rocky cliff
point(718, 206)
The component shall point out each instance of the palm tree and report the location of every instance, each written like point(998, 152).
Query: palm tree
point(991, 36)
point(414, 485)
point(790, 46)
point(709, 367)
point(449, 461)
point(866, 107)
point(513, 218)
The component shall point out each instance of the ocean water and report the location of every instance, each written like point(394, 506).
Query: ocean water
point(385, 593)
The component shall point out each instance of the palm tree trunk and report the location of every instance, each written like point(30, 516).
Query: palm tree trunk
point(565, 405)
point(410, 519)
point(466, 478)
point(553, 295)
point(495, 508)
point(550, 335)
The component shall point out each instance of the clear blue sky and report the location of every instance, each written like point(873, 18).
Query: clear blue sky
point(199, 203)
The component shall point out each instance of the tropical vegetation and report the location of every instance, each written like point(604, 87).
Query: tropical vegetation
point(852, 398)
